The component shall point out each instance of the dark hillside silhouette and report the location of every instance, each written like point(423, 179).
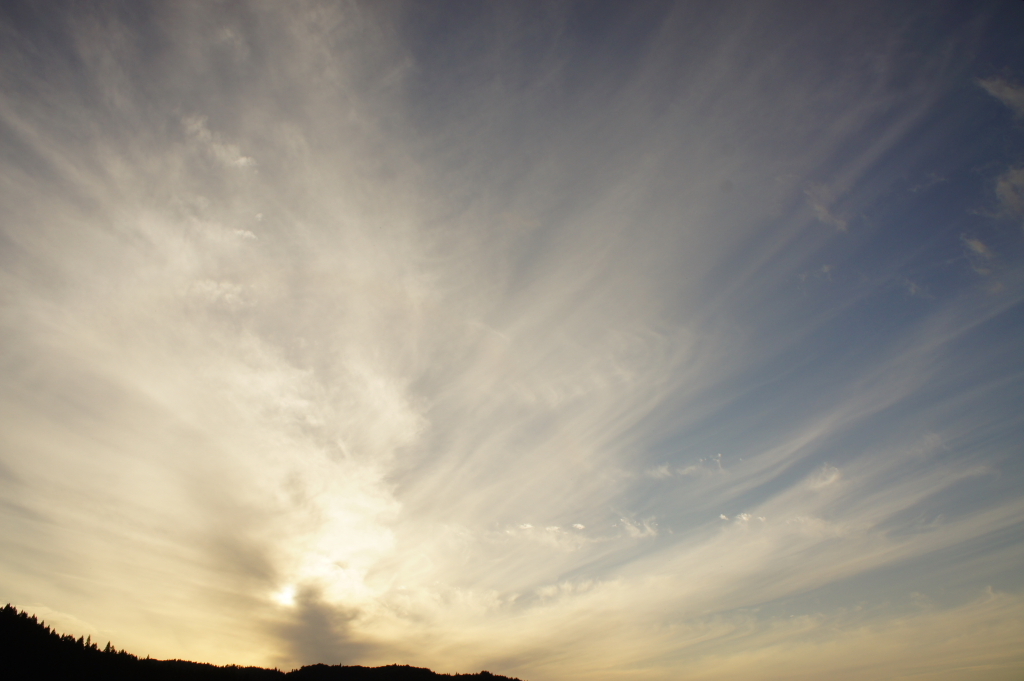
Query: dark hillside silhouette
point(31, 650)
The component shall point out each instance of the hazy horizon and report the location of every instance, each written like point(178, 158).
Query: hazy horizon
point(566, 340)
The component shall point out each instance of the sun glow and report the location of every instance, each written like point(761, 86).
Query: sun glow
point(286, 595)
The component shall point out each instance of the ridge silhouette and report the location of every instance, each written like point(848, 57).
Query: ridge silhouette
point(31, 650)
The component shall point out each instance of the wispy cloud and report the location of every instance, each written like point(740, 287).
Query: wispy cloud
point(820, 199)
point(1010, 191)
point(363, 333)
point(1009, 93)
point(227, 154)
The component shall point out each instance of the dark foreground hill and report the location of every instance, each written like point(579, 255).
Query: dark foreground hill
point(31, 650)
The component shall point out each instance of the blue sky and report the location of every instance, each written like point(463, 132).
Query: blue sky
point(564, 340)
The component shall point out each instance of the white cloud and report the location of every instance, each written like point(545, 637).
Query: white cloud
point(662, 471)
point(1008, 93)
point(647, 527)
point(820, 198)
point(978, 247)
point(227, 154)
point(227, 293)
point(703, 467)
point(1010, 191)
point(827, 475)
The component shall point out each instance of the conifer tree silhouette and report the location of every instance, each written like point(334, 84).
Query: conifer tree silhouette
point(31, 650)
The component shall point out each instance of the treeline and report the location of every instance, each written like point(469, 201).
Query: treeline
point(31, 650)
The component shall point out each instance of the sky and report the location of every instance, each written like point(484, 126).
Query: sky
point(567, 340)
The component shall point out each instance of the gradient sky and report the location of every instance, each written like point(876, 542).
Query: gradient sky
point(568, 340)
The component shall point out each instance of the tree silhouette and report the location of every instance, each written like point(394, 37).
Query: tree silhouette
point(31, 650)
